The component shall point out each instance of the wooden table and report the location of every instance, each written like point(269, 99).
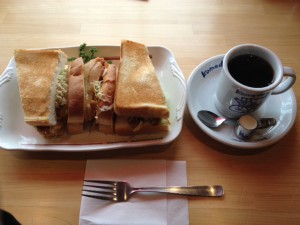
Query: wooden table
point(262, 186)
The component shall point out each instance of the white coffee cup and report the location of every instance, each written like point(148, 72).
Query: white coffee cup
point(233, 98)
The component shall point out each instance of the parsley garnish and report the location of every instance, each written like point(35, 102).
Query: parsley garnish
point(86, 56)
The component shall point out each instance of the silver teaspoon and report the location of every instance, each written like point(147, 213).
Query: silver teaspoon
point(212, 120)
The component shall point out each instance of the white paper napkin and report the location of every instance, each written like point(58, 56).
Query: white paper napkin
point(141, 209)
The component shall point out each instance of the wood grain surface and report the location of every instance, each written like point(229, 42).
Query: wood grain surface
point(261, 186)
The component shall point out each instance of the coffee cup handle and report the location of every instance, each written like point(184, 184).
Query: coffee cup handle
point(286, 83)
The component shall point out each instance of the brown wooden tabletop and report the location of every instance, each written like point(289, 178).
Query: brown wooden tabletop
point(262, 186)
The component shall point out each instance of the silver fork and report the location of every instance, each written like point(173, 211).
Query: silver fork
point(120, 191)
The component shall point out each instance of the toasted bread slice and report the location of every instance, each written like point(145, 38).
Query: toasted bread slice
point(138, 92)
point(105, 121)
point(37, 72)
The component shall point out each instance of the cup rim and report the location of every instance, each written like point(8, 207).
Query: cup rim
point(277, 66)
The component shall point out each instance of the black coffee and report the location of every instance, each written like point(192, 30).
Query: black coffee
point(251, 70)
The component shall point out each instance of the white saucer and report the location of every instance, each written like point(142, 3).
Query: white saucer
point(200, 94)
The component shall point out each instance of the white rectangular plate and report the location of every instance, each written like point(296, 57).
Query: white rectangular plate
point(16, 134)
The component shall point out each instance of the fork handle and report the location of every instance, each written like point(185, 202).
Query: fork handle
point(205, 191)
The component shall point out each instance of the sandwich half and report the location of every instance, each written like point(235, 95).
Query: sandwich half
point(38, 72)
point(140, 104)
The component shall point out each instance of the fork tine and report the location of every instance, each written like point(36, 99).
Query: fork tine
point(102, 182)
point(102, 189)
point(110, 198)
point(111, 188)
point(99, 192)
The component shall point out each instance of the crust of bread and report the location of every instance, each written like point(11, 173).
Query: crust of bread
point(138, 91)
point(37, 72)
point(105, 120)
point(106, 129)
point(76, 97)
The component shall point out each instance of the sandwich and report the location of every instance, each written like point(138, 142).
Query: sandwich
point(90, 96)
point(140, 105)
point(43, 87)
point(76, 92)
point(122, 103)
point(93, 73)
point(105, 101)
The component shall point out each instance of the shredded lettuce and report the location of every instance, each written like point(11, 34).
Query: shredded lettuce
point(99, 95)
point(62, 88)
point(97, 89)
